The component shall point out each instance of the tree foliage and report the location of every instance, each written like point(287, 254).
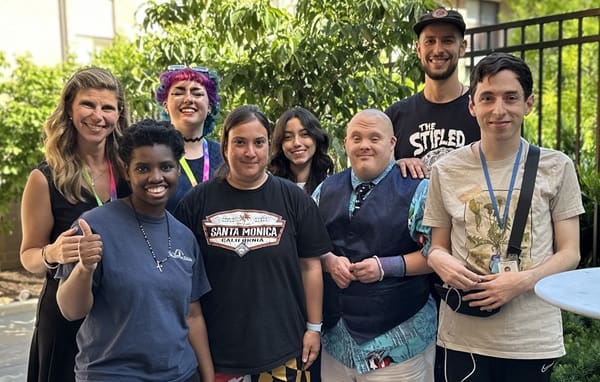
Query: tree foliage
point(567, 80)
point(28, 96)
point(333, 57)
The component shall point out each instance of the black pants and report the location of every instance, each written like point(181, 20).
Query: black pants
point(455, 366)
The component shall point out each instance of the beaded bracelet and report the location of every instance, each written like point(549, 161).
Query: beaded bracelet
point(46, 263)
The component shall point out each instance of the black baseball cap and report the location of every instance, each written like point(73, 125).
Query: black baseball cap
point(440, 15)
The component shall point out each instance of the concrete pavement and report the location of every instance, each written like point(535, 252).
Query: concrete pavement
point(16, 327)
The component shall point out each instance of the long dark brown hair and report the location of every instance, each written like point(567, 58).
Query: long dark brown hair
point(321, 165)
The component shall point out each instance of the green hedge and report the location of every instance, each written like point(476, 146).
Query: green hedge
point(582, 341)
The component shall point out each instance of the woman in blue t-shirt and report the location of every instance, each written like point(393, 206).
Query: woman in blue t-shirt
point(140, 275)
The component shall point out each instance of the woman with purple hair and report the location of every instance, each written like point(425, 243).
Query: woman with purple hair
point(190, 100)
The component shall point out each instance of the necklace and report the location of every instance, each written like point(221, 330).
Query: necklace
point(159, 263)
point(197, 139)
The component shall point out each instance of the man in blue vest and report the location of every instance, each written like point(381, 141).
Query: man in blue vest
point(379, 318)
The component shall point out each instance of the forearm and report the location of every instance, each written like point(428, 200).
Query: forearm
point(312, 278)
point(198, 338)
point(567, 255)
point(74, 296)
point(33, 262)
point(411, 264)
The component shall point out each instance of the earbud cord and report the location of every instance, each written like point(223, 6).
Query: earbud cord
point(442, 317)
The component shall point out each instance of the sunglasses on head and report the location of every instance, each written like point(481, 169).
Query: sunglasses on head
point(199, 69)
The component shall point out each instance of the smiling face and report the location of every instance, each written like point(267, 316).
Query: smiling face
point(298, 145)
point(187, 105)
point(439, 47)
point(499, 104)
point(152, 173)
point(247, 152)
point(94, 113)
point(369, 143)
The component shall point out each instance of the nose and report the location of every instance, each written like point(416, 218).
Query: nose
point(250, 151)
point(97, 113)
point(499, 108)
point(296, 140)
point(188, 97)
point(364, 144)
point(437, 46)
point(155, 175)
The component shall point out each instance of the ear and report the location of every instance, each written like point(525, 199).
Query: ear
point(463, 48)
point(418, 49)
point(126, 173)
point(471, 107)
point(529, 104)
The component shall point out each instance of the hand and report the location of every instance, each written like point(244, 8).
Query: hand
point(339, 269)
point(311, 345)
point(64, 248)
point(452, 271)
point(89, 247)
point(498, 289)
point(415, 166)
point(366, 271)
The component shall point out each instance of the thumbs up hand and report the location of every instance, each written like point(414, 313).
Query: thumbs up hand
point(89, 248)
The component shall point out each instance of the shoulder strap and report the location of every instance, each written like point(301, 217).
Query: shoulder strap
point(524, 203)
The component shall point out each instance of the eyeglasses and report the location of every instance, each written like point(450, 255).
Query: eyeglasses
point(199, 69)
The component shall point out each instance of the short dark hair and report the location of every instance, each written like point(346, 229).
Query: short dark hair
point(497, 62)
point(149, 132)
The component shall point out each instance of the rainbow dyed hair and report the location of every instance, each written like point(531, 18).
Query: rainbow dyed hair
point(207, 78)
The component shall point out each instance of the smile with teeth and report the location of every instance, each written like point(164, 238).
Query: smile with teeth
point(156, 189)
point(93, 126)
point(438, 59)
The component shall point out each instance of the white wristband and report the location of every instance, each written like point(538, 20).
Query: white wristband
point(314, 327)
point(381, 272)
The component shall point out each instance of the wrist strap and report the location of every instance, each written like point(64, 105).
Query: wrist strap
point(46, 263)
point(314, 327)
point(381, 272)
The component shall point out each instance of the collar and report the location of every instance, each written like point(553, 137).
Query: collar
point(355, 181)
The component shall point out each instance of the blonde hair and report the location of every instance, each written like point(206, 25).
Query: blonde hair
point(61, 136)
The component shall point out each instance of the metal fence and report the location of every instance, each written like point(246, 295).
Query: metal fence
point(563, 52)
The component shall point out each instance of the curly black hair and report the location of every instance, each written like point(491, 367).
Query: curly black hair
point(150, 132)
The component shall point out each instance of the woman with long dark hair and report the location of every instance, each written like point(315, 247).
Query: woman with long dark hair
point(300, 148)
